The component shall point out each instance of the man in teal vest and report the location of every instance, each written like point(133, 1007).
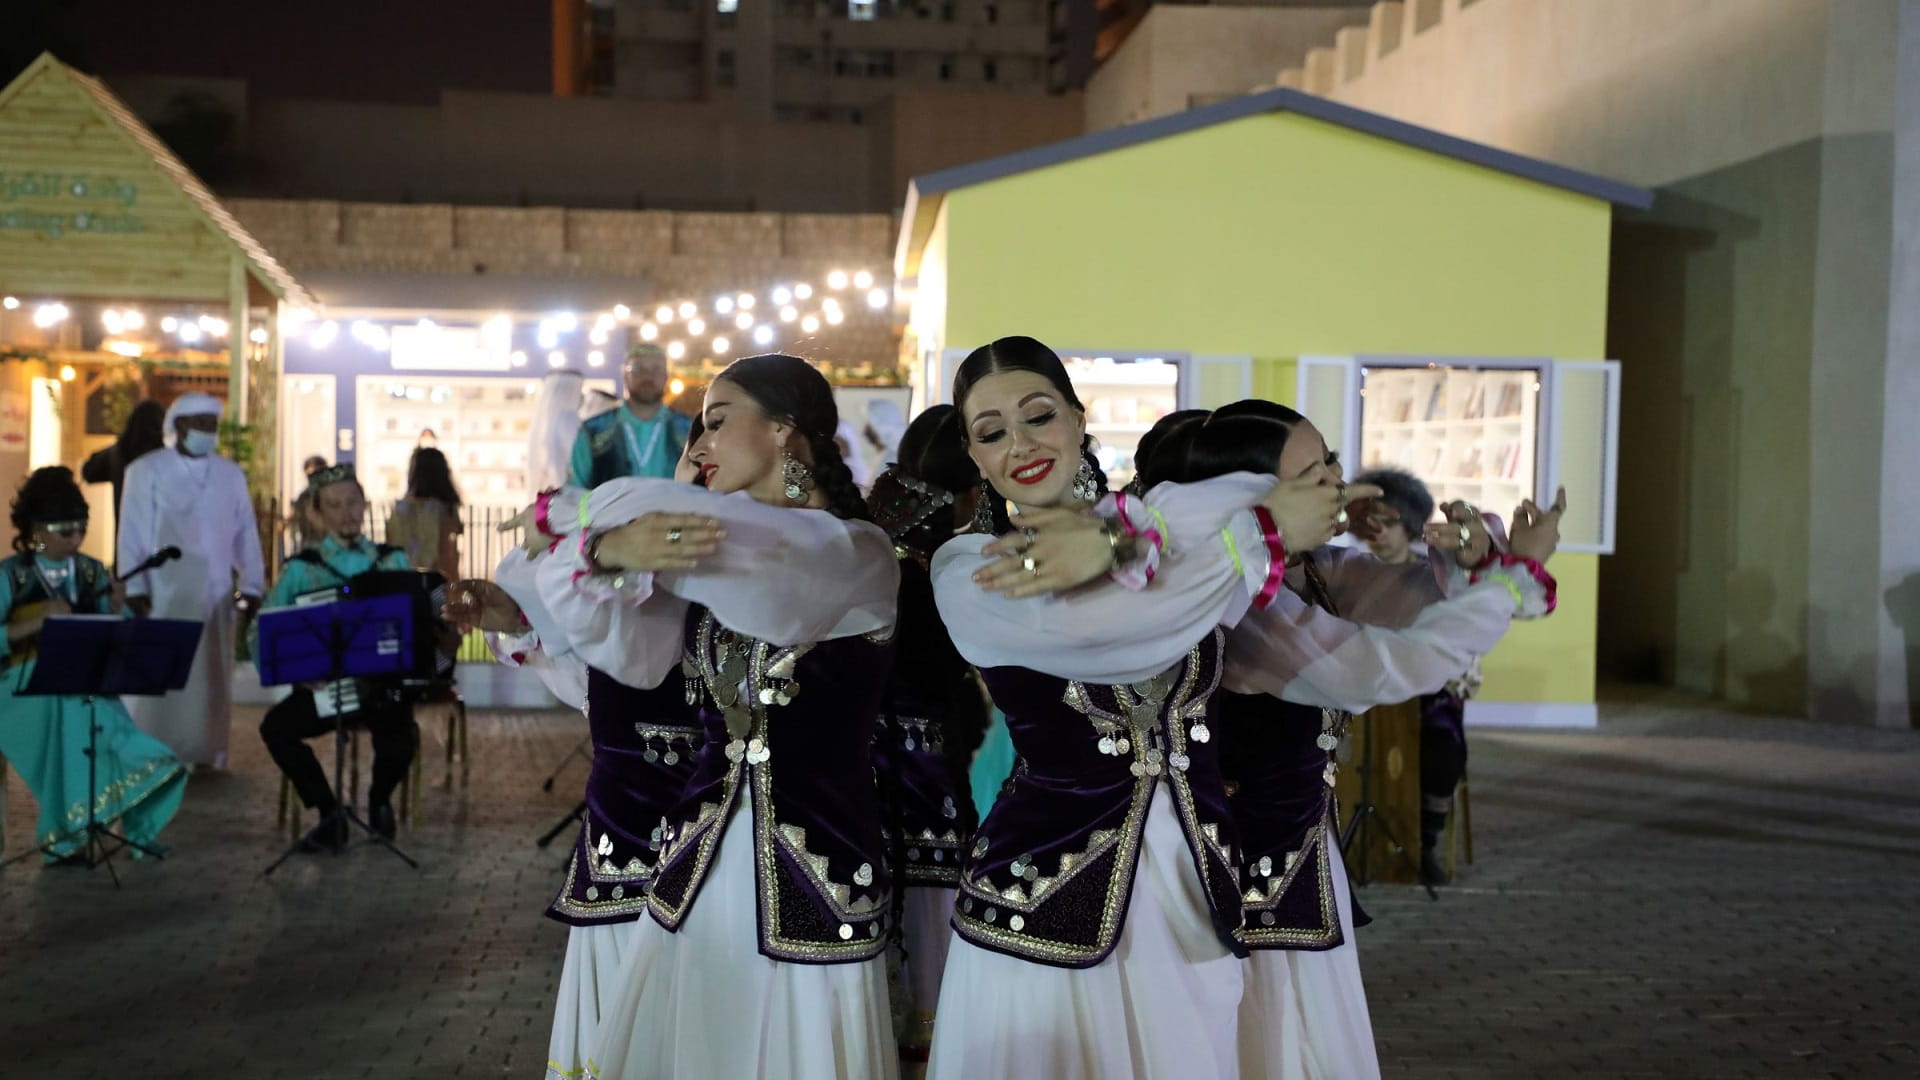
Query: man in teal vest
point(640, 438)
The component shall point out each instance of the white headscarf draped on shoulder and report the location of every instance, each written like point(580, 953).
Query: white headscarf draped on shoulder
point(556, 421)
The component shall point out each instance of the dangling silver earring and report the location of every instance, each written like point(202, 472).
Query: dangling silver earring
point(39, 545)
point(1085, 487)
point(983, 510)
point(798, 478)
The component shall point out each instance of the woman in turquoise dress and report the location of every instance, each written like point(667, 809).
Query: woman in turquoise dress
point(138, 780)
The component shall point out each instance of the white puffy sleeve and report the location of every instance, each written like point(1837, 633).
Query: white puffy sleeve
point(784, 576)
point(1217, 561)
point(543, 647)
point(1301, 653)
point(1377, 593)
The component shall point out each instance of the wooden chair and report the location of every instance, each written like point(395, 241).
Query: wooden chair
point(1460, 823)
point(288, 815)
point(447, 700)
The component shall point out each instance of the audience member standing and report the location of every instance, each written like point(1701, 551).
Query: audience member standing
point(192, 498)
point(641, 438)
point(145, 431)
point(426, 522)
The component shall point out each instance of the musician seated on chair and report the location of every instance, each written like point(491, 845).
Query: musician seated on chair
point(311, 710)
point(135, 778)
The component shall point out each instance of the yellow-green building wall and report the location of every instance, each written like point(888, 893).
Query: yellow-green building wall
point(1278, 236)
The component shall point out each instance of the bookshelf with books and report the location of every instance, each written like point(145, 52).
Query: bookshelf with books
point(1469, 432)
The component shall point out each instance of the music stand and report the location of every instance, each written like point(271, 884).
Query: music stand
point(334, 642)
point(90, 656)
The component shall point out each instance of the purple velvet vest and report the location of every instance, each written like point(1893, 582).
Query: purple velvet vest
point(644, 744)
point(1283, 803)
point(1051, 868)
point(792, 728)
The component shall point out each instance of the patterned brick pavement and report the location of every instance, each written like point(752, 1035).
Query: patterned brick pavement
point(1681, 894)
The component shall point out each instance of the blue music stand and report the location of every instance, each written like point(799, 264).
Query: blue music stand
point(351, 638)
point(89, 656)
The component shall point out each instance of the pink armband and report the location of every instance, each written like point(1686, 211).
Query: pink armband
point(1276, 558)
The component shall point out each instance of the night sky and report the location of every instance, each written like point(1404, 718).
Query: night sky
point(400, 51)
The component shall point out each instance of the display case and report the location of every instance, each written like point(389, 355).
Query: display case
point(1489, 431)
point(481, 424)
point(1471, 433)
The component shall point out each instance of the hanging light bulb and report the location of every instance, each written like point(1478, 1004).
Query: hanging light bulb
point(802, 291)
point(622, 312)
point(111, 320)
point(721, 345)
point(763, 335)
point(781, 296)
point(133, 320)
point(257, 335)
point(169, 324)
point(835, 316)
point(519, 358)
point(724, 305)
point(11, 303)
point(67, 374)
point(837, 280)
point(676, 350)
point(556, 359)
point(810, 324)
point(789, 313)
point(696, 326)
point(745, 300)
point(663, 314)
point(566, 322)
point(743, 320)
point(688, 309)
point(189, 332)
point(649, 331)
point(596, 358)
point(863, 280)
point(676, 386)
point(323, 335)
point(877, 299)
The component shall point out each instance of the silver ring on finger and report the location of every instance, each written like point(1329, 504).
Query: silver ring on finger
point(1340, 518)
point(1029, 565)
point(1466, 535)
point(673, 536)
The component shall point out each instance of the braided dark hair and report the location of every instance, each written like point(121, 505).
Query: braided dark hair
point(1020, 354)
point(49, 494)
point(1162, 452)
point(792, 391)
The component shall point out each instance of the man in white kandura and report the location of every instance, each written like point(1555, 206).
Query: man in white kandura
point(187, 496)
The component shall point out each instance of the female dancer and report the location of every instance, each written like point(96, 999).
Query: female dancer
point(1085, 862)
point(644, 745)
point(136, 778)
point(932, 696)
point(1305, 1012)
point(770, 901)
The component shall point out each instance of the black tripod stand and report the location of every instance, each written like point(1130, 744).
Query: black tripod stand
point(101, 843)
point(89, 658)
point(573, 818)
point(1367, 816)
point(582, 749)
point(337, 632)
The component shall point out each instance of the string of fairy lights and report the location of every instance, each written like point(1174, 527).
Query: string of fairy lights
point(730, 323)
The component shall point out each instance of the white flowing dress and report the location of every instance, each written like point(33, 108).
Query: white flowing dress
point(1165, 1002)
point(1162, 1004)
point(1305, 1014)
point(703, 1001)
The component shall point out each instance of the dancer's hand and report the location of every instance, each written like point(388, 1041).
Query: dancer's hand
point(658, 541)
point(1309, 511)
point(1536, 533)
point(1048, 551)
point(1463, 534)
point(475, 602)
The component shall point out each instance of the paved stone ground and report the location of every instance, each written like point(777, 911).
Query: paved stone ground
point(1684, 893)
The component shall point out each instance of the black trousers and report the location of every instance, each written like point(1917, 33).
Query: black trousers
point(288, 725)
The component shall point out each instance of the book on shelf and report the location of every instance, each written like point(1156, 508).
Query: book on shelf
point(1509, 402)
point(1476, 401)
point(1434, 400)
